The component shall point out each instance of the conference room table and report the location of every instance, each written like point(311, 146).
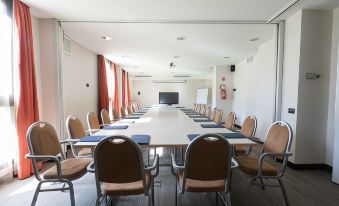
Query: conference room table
point(167, 127)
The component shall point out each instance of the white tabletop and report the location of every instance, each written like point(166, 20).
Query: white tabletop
point(168, 127)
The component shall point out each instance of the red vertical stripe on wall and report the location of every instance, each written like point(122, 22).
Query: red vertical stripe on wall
point(128, 92)
point(123, 89)
point(116, 89)
point(27, 102)
point(103, 98)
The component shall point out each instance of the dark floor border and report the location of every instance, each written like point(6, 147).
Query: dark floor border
point(310, 166)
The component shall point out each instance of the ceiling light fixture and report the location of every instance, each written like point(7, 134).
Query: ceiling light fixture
point(181, 38)
point(226, 57)
point(176, 57)
point(172, 65)
point(106, 38)
point(254, 39)
point(125, 56)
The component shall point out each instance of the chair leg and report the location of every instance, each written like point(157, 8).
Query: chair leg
point(71, 193)
point(149, 197)
point(152, 192)
point(249, 190)
point(283, 191)
point(176, 193)
point(262, 182)
point(36, 193)
point(97, 202)
point(216, 199)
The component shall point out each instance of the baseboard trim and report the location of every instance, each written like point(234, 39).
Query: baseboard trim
point(310, 166)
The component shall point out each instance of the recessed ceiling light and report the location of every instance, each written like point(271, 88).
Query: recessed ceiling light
point(226, 57)
point(125, 56)
point(254, 39)
point(176, 57)
point(181, 38)
point(106, 38)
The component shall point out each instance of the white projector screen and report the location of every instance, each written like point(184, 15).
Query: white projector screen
point(202, 96)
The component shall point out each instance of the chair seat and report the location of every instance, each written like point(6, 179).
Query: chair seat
point(249, 165)
point(85, 152)
point(71, 169)
point(240, 150)
point(201, 185)
point(123, 189)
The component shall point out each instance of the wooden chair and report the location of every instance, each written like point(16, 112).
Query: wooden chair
point(208, 111)
point(130, 109)
point(230, 121)
point(44, 145)
point(218, 116)
point(202, 109)
point(105, 119)
point(212, 115)
point(116, 114)
point(276, 146)
point(93, 123)
point(75, 131)
point(207, 168)
point(123, 112)
point(248, 129)
point(119, 169)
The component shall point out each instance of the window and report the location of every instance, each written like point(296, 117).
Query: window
point(7, 125)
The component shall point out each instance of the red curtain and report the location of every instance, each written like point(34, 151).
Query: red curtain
point(27, 103)
point(103, 98)
point(123, 89)
point(128, 92)
point(116, 89)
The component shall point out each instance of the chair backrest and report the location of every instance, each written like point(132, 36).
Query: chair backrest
point(116, 114)
point(92, 121)
point(194, 107)
point(278, 138)
point(212, 115)
point(230, 120)
point(129, 109)
point(135, 107)
point(75, 128)
point(138, 106)
point(42, 139)
point(208, 111)
point(208, 157)
point(123, 111)
point(217, 116)
point(105, 117)
point(197, 109)
point(249, 126)
point(202, 109)
point(118, 159)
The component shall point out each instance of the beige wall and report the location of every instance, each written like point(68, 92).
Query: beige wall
point(255, 88)
point(149, 91)
point(78, 69)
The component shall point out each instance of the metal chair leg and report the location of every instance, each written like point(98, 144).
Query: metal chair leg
point(216, 199)
point(71, 193)
point(283, 191)
point(152, 192)
point(36, 193)
point(262, 182)
point(176, 193)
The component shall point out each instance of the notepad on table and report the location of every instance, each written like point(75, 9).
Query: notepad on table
point(132, 117)
point(92, 138)
point(202, 120)
point(212, 126)
point(225, 135)
point(141, 139)
point(113, 127)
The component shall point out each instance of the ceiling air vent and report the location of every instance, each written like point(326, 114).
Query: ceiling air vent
point(250, 59)
point(67, 45)
point(141, 76)
point(181, 75)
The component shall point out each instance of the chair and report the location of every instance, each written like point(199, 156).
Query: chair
point(207, 167)
point(119, 169)
point(276, 146)
point(218, 116)
point(135, 107)
point(208, 111)
point(212, 115)
point(43, 145)
point(123, 112)
point(116, 114)
point(105, 119)
point(202, 109)
point(75, 130)
point(197, 109)
point(230, 120)
point(130, 109)
point(93, 123)
point(248, 129)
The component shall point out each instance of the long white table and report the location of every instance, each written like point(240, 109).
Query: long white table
point(168, 127)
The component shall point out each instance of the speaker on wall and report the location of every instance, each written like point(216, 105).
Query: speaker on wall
point(232, 68)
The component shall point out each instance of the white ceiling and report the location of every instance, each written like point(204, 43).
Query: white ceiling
point(151, 46)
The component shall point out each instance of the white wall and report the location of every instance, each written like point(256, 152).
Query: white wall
point(78, 69)
point(149, 91)
point(334, 69)
point(219, 72)
point(291, 73)
point(255, 88)
point(315, 57)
